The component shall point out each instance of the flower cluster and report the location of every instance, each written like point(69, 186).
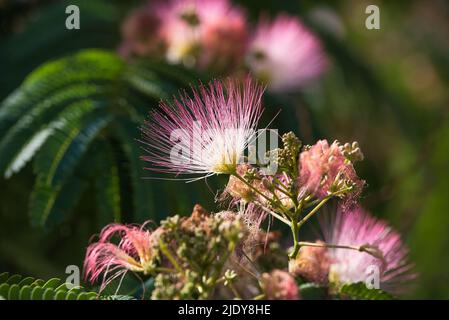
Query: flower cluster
point(201, 256)
point(213, 35)
point(195, 257)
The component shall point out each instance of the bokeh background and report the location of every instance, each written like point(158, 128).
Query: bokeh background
point(387, 89)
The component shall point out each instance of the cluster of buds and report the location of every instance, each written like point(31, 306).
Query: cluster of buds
point(287, 157)
point(195, 249)
point(352, 152)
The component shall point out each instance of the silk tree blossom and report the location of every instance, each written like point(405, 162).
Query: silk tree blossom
point(387, 253)
point(285, 54)
point(326, 169)
point(202, 32)
point(207, 133)
point(133, 253)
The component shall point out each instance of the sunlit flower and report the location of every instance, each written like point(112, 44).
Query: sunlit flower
point(386, 253)
point(324, 169)
point(279, 285)
point(133, 253)
point(207, 133)
point(285, 54)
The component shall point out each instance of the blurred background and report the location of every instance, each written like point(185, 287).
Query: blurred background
point(387, 89)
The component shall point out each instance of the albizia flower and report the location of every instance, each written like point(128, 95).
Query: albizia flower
point(133, 253)
point(325, 169)
point(279, 285)
point(202, 32)
point(207, 133)
point(285, 54)
point(387, 251)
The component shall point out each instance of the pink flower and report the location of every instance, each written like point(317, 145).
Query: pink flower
point(207, 133)
point(140, 33)
point(203, 32)
point(324, 169)
point(279, 285)
point(133, 253)
point(285, 54)
point(387, 252)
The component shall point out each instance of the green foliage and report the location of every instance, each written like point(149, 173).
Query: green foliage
point(312, 291)
point(359, 291)
point(43, 36)
point(78, 117)
point(16, 287)
point(429, 235)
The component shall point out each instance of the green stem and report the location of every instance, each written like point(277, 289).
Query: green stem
point(313, 211)
point(262, 195)
point(371, 250)
point(234, 291)
point(295, 232)
point(328, 245)
point(166, 270)
point(170, 257)
point(274, 214)
point(251, 186)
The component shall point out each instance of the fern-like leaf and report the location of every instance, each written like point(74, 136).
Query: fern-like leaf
point(65, 108)
point(360, 291)
point(16, 287)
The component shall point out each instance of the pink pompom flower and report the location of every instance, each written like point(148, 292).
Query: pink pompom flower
point(205, 134)
point(325, 169)
point(385, 251)
point(285, 54)
point(202, 32)
point(133, 253)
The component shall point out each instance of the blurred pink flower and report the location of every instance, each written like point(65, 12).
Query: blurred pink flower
point(279, 285)
point(141, 32)
point(285, 54)
point(203, 32)
point(388, 253)
point(325, 169)
point(133, 253)
point(205, 134)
